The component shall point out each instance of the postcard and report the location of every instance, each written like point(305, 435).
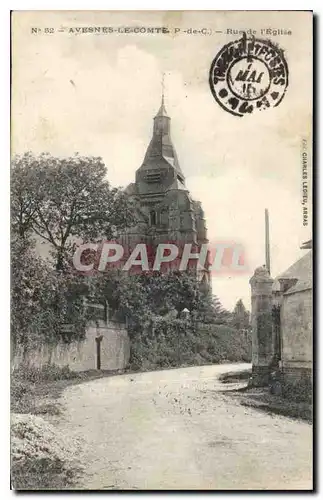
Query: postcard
point(161, 250)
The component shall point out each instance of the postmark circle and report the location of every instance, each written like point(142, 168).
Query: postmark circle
point(247, 75)
point(256, 70)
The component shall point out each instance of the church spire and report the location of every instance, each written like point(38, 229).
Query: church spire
point(161, 146)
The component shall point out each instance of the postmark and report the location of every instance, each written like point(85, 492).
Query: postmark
point(247, 75)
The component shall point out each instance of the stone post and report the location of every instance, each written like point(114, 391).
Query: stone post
point(262, 327)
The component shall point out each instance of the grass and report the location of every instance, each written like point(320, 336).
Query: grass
point(43, 474)
point(261, 399)
point(33, 391)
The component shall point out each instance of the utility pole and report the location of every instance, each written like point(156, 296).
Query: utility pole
point(267, 243)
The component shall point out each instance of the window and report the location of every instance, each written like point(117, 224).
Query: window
point(153, 177)
point(153, 218)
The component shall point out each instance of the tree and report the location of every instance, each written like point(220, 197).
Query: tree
point(139, 297)
point(240, 316)
point(24, 194)
point(212, 311)
point(27, 273)
point(61, 199)
point(58, 199)
point(43, 299)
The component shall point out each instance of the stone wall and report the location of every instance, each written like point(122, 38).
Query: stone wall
point(81, 356)
point(261, 322)
point(297, 325)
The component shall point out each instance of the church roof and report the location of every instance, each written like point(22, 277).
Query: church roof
point(300, 270)
point(162, 110)
point(306, 244)
point(178, 184)
point(161, 146)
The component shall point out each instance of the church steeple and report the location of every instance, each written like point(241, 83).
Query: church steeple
point(160, 167)
point(162, 120)
point(162, 110)
point(161, 145)
point(164, 207)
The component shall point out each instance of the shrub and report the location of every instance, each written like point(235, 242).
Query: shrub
point(168, 342)
point(300, 390)
point(47, 373)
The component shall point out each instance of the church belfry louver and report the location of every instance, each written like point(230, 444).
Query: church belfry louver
point(165, 210)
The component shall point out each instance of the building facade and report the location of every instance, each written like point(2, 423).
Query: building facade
point(293, 299)
point(282, 323)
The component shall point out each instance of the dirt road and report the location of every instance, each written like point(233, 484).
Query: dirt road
point(179, 429)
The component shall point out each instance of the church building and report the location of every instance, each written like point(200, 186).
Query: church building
point(165, 209)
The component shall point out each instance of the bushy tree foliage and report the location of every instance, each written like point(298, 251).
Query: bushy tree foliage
point(138, 297)
point(44, 301)
point(62, 198)
point(167, 342)
point(160, 336)
point(57, 199)
point(215, 313)
point(240, 316)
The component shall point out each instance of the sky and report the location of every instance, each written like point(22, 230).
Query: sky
point(97, 95)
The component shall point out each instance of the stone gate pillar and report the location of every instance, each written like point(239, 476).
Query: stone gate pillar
point(262, 328)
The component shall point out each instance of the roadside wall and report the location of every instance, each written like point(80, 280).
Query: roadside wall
point(296, 325)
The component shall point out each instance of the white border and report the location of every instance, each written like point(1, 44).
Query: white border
point(164, 5)
point(316, 6)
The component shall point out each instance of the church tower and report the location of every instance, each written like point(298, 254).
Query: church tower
point(160, 169)
point(165, 210)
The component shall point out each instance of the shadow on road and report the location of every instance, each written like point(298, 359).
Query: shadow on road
point(259, 398)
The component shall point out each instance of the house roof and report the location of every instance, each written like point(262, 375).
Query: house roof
point(306, 245)
point(300, 270)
